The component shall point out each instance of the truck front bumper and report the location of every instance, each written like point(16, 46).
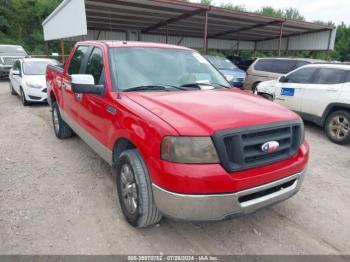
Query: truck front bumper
point(5, 70)
point(224, 206)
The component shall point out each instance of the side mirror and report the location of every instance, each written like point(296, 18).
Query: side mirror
point(16, 72)
point(85, 84)
point(283, 79)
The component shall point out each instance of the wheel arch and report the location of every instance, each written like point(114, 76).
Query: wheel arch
point(332, 108)
point(119, 147)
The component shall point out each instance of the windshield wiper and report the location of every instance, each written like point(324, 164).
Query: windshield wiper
point(153, 88)
point(198, 85)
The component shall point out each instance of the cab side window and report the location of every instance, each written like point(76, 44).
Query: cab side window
point(95, 66)
point(330, 76)
point(348, 77)
point(302, 76)
point(77, 59)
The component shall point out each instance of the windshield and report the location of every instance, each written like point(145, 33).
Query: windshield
point(36, 68)
point(12, 49)
point(221, 62)
point(136, 67)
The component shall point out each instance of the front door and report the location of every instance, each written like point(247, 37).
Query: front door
point(290, 92)
point(96, 114)
point(69, 100)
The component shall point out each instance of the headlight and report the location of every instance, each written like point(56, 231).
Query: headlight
point(33, 85)
point(189, 150)
point(1, 61)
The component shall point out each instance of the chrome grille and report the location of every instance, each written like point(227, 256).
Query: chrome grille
point(10, 60)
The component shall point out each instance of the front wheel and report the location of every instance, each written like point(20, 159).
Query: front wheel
point(135, 190)
point(12, 90)
point(266, 96)
point(338, 127)
point(23, 99)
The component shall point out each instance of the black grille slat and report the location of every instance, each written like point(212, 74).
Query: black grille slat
point(242, 148)
point(258, 151)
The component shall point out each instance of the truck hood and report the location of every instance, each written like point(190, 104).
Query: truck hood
point(200, 113)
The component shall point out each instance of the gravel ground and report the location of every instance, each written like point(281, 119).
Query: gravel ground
point(59, 197)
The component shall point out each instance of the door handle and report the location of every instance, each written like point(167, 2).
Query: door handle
point(332, 90)
point(78, 96)
point(111, 110)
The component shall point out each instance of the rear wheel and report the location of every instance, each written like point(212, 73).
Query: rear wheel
point(338, 127)
point(62, 130)
point(135, 190)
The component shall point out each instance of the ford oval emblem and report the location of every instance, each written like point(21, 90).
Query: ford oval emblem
point(270, 147)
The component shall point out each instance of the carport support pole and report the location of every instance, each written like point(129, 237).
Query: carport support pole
point(280, 40)
point(167, 34)
point(206, 33)
point(62, 51)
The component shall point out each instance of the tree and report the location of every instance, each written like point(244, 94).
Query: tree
point(20, 22)
point(342, 44)
point(207, 2)
point(234, 7)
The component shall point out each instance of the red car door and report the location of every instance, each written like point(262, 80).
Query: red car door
point(96, 114)
point(69, 105)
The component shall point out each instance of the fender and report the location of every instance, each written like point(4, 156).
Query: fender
point(330, 108)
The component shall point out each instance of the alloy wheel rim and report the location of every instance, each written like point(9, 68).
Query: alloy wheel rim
point(128, 189)
point(339, 127)
point(55, 120)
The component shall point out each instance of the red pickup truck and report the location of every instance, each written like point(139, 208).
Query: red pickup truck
point(181, 141)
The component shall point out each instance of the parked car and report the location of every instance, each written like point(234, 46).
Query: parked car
point(264, 69)
point(180, 141)
point(231, 72)
point(319, 93)
point(27, 79)
point(242, 62)
point(8, 55)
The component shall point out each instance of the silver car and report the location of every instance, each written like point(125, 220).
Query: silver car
point(265, 69)
point(9, 54)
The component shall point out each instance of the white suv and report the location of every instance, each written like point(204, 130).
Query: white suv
point(319, 93)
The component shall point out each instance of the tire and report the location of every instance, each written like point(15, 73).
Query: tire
point(254, 86)
point(61, 129)
point(337, 127)
point(23, 99)
point(135, 190)
point(13, 92)
point(266, 96)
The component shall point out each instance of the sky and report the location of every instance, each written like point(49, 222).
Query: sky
point(324, 10)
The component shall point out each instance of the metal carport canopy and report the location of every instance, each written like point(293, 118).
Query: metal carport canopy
point(178, 22)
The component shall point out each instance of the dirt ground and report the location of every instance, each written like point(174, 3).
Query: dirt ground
point(59, 197)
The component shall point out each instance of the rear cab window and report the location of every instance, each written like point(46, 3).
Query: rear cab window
point(77, 60)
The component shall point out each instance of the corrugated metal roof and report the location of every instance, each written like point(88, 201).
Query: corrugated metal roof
point(187, 19)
